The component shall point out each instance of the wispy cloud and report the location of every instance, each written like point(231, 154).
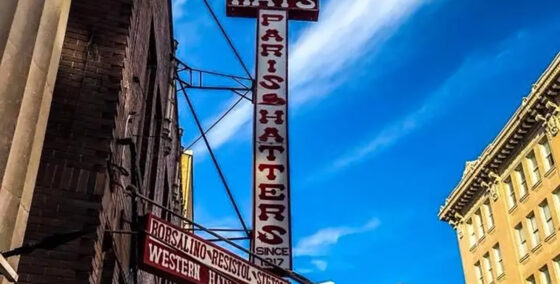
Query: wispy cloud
point(472, 72)
point(178, 8)
point(346, 31)
point(321, 265)
point(383, 139)
point(320, 242)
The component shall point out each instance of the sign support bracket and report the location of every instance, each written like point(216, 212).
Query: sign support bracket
point(291, 274)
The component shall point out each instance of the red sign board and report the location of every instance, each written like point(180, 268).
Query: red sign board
point(176, 254)
point(297, 9)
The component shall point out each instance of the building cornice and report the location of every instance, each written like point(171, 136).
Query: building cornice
point(537, 109)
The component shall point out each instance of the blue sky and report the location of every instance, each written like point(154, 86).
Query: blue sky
point(389, 99)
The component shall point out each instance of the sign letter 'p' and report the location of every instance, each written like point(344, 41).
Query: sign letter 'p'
point(267, 18)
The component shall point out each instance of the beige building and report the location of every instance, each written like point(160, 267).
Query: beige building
point(31, 39)
point(506, 208)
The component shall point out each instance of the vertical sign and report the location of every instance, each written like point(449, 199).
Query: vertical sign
point(271, 215)
point(272, 238)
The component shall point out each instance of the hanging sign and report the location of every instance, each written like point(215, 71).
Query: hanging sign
point(178, 255)
point(272, 238)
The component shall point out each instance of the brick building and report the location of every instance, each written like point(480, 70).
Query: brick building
point(109, 72)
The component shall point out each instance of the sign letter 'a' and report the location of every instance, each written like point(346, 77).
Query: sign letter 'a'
point(272, 237)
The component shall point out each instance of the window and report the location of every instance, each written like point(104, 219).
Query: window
point(472, 236)
point(531, 280)
point(533, 168)
point(155, 150)
point(478, 271)
point(547, 155)
point(534, 229)
point(512, 201)
point(488, 267)
point(522, 181)
point(545, 275)
point(522, 242)
point(488, 214)
point(479, 224)
point(149, 86)
point(547, 216)
point(498, 260)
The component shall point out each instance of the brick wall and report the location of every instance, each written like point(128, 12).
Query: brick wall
point(113, 82)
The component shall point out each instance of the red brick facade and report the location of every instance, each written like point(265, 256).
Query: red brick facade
point(114, 82)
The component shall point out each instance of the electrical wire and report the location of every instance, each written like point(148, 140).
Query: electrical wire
point(218, 120)
point(290, 273)
point(228, 39)
point(215, 161)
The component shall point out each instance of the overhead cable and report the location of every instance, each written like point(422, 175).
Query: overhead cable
point(291, 274)
point(214, 160)
point(218, 120)
point(228, 39)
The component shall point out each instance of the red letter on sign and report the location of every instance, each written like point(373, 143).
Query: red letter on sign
point(272, 100)
point(271, 168)
point(271, 18)
point(271, 84)
point(271, 149)
point(272, 33)
point(274, 48)
point(272, 133)
point(270, 191)
point(274, 209)
point(265, 116)
point(275, 239)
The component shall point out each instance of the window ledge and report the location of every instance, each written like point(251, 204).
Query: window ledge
point(550, 237)
point(524, 198)
point(536, 185)
point(536, 248)
point(501, 276)
point(524, 258)
point(512, 209)
point(550, 171)
point(492, 229)
point(482, 239)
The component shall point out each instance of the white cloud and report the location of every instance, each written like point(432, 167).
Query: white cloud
point(473, 71)
point(178, 8)
point(346, 31)
point(227, 128)
point(320, 242)
point(321, 265)
point(383, 139)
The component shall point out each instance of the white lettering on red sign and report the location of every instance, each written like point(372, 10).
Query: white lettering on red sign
point(179, 255)
point(302, 4)
point(271, 185)
point(297, 9)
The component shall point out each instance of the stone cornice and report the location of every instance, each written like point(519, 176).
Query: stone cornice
point(537, 109)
